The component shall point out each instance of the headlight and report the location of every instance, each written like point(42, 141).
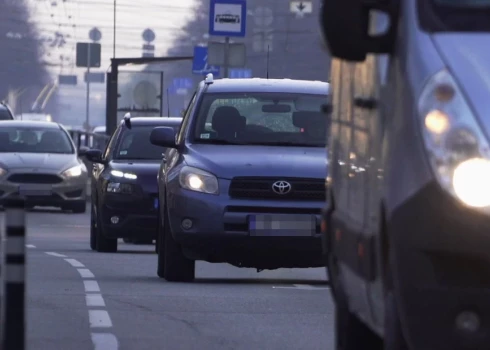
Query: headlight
point(2, 171)
point(74, 171)
point(117, 173)
point(198, 180)
point(457, 148)
point(117, 187)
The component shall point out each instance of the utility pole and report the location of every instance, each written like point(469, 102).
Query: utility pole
point(227, 57)
point(87, 116)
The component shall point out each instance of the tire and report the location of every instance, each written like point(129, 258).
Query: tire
point(79, 207)
point(176, 267)
point(157, 238)
point(103, 244)
point(93, 229)
point(350, 332)
point(394, 338)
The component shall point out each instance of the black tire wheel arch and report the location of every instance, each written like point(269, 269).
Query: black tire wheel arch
point(93, 229)
point(104, 245)
point(176, 266)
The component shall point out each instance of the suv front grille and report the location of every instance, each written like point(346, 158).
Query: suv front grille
point(35, 178)
point(261, 188)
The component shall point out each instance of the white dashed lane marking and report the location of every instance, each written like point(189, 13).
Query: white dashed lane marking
point(56, 254)
point(91, 286)
point(74, 263)
point(94, 300)
point(30, 246)
point(85, 273)
point(301, 287)
point(98, 318)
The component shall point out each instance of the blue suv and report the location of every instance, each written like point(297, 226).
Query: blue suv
point(243, 181)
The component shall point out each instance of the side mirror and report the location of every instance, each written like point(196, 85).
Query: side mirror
point(163, 136)
point(82, 151)
point(94, 156)
point(353, 19)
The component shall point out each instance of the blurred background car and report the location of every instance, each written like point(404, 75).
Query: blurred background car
point(39, 161)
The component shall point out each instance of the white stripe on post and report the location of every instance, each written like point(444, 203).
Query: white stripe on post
point(15, 217)
point(15, 245)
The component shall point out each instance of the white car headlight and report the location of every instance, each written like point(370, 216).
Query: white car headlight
point(457, 148)
point(117, 173)
point(2, 171)
point(73, 171)
point(198, 180)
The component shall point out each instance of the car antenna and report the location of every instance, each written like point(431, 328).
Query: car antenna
point(168, 104)
point(267, 72)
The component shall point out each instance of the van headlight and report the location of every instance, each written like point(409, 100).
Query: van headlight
point(457, 148)
point(198, 180)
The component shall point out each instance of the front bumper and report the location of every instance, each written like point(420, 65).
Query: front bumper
point(60, 194)
point(220, 230)
point(137, 215)
point(442, 268)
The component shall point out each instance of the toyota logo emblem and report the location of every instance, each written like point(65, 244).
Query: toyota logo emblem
point(281, 187)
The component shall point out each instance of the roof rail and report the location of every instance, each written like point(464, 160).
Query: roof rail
point(127, 120)
point(209, 79)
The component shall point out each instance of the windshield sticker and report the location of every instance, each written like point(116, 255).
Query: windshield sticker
point(123, 153)
point(205, 136)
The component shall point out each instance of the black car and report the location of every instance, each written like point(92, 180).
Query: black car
point(124, 184)
point(5, 112)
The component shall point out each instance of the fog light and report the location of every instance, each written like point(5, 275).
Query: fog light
point(115, 219)
point(187, 224)
point(468, 321)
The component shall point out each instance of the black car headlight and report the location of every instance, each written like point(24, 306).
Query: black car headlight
point(118, 187)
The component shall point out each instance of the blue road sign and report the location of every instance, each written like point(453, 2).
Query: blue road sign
point(228, 17)
point(182, 83)
point(200, 62)
point(239, 73)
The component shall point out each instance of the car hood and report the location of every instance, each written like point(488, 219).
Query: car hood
point(228, 161)
point(146, 172)
point(51, 161)
point(467, 56)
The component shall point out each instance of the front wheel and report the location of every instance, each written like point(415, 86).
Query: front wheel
point(104, 245)
point(171, 261)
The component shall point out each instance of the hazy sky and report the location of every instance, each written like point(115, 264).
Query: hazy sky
point(74, 18)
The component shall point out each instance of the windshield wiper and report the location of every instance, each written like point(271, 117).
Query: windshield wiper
point(287, 143)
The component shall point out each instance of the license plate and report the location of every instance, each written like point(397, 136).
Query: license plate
point(35, 190)
point(155, 203)
point(282, 225)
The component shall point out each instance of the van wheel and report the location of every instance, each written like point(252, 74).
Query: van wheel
point(350, 332)
point(394, 338)
point(176, 267)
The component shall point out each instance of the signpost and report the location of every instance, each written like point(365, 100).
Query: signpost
point(240, 73)
point(200, 62)
point(300, 8)
point(227, 18)
point(148, 36)
point(89, 55)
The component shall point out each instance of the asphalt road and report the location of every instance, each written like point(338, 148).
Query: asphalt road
point(80, 299)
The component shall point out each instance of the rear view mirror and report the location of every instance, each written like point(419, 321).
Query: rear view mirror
point(276, 108)
point(353, 19)
point(163, 136)
point(94, 156)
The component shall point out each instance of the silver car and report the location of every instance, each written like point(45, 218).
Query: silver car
point(39, 161)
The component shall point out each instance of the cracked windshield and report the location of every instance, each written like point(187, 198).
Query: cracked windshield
point(244, 174)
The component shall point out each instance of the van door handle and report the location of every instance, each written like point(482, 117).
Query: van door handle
point(366, 102)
